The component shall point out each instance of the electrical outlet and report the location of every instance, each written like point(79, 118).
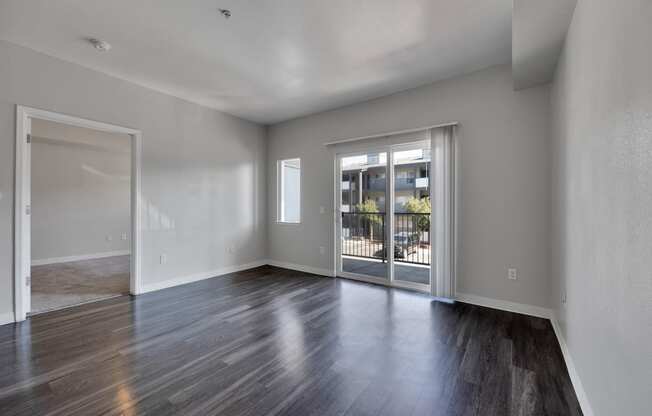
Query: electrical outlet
point(511, 273)
point(163, 259)
point(230, 249)
point(109, 238)
point(322, 210)
point(563, 298)
point(322, 250)
point(124, 236)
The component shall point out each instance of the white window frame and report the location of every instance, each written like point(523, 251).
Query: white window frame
point(280, 191)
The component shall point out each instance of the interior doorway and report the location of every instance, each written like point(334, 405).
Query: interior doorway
point(77, 205)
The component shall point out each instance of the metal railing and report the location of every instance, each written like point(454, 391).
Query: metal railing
point(363, 235)
point(412, 238)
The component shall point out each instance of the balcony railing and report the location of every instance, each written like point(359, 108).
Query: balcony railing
point(363, 235)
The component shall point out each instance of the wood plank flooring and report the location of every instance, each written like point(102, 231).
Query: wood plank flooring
point(270, 341)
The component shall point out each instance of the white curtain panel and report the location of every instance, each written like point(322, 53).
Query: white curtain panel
point(444, 218)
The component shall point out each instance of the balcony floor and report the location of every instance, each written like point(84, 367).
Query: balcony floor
point(402, 271)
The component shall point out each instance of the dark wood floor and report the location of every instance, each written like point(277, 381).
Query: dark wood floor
point(272, 341)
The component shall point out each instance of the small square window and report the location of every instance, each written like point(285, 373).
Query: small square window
point(289, 190)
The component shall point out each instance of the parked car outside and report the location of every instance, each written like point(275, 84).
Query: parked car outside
point(406, 243)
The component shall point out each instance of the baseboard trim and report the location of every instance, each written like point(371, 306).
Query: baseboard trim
point(301, 268)
point(537, 311)
point(572, 370)
point(151, 287)
point(54, 260)
point(7, 318)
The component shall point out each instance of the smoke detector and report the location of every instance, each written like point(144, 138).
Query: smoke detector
point(100, 45)
point(225, 12)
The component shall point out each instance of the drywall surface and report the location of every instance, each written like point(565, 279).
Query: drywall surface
point(203, 186)
point(602, 209)
point(504, 178)
point(80, 191)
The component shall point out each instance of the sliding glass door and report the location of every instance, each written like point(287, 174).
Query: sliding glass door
point(411, 228)
point(363, 215)
point(383, 224)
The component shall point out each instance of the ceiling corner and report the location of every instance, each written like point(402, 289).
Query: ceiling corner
point(538, 33)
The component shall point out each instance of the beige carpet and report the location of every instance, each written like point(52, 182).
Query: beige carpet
point(56, 286)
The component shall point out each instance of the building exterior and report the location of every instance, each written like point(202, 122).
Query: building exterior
point(366, 180)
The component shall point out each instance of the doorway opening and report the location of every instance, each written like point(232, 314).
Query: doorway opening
point(77, 234)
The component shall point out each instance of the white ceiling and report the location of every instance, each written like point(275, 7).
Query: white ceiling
point(274, 59)
point(538, 33)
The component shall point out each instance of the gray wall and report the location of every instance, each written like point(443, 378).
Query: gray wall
point(80, 191)
point(602, 211)
point(203, 172)
point(504, 146)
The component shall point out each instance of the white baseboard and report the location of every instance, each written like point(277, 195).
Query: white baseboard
point(177, 281)
point(7, 318)
point(525, 309)
point(301, 268)
point(53, 260)
point(538, 311)
point(572, 371)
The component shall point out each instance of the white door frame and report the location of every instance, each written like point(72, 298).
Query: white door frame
point(22, 199)
point(389, 209)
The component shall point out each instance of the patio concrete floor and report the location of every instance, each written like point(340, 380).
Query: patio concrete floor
point(402, 271)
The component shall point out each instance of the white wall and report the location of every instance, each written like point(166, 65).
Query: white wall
point(203, 172)
point(80, 191)
point(504, 146)
point(602, 211)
